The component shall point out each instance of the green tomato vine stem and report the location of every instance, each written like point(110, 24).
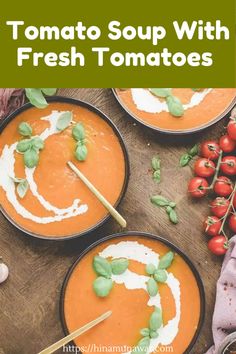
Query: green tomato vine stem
point(231, 199)
point(217, 170)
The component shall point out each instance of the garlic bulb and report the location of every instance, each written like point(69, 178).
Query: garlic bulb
point(4, 271)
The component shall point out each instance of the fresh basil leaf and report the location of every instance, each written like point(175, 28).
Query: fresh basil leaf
point(196, 89)
point(172, 204)
point(173, 217)
point(49, 91)
point(194, 150)
point(36, 97)
point(22, 188)
point(157, 176)
point(153, 334)
point(37, 143)
point(185, 159)
point(81, 152)
point(145, 332)
point(152, 287)
point(78, 132)
point(25, 129)
point(150, 269)
point(156, 320)
point(23, 145)
point(102, 266)
point(31, 158)
point(160, 275)
point(160, 201)
point(64, 121)
point(142, 346)
point(175, 106)
point(102, 286)
point(166, 260)
point(119, 266)
point(156, 163)
point(160, 92)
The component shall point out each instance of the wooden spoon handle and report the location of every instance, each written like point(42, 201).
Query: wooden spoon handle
point(75, 334)
point(100, 197)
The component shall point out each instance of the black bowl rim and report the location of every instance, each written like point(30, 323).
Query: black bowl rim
point(149, 236)
point(175, 132)
point(94, 109)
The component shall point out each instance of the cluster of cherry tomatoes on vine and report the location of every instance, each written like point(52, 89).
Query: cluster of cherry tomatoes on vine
point(215, 170)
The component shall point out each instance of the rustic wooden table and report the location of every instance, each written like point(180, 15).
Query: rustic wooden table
point(29, 300)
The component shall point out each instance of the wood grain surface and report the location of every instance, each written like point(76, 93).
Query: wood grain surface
point(29, 300)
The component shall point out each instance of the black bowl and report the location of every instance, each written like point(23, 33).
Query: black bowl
point(175, 132)
point(26, 106)
point(147, 235)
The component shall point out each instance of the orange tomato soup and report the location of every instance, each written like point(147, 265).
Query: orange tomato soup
point(104, 166)
point(130, 312)
point(214, 103)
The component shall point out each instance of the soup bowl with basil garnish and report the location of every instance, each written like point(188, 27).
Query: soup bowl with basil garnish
point(39, 193)
point(177, 110)
point(153, 290)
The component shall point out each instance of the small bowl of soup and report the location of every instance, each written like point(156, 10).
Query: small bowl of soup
point(176, 110)
point(153, 290)
point(39, 193)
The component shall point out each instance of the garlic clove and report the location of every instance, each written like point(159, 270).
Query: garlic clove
point(4, 271)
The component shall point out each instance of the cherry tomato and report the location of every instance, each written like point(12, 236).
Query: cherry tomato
point(223, 186)
point(210, 149)
point(231, 129)
point(204, 167)
point(219, 206)
point(218, 245)
point(227, 144)
point(234, 201)
point(198, 187)
point(232, 222)
point(212, 225)
point(228, 165)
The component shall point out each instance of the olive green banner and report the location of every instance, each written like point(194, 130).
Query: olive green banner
point(118, 44)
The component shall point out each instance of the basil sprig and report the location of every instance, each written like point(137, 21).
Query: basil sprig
point(78, 134)
point(36, 96)
point(103, 284)
point(155, 323)
point(174, 104)
point(188, 156)
point(158, 274)
point(169, 206)
point(29, 147)
point(156, 166)
point(22, 186)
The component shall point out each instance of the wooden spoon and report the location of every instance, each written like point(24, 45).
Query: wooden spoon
point(75, 334)
point(100, 197)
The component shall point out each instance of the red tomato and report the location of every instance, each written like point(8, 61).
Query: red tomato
point(212, 225)
point(223, 186)
point(234, 201)
point(227, 144)
point(198, 187)
point(232, 222)
point(219, 206)
point(228, 165)
point(231, 129)
point(204, 167)
point(210, 149)
point(218, 245)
